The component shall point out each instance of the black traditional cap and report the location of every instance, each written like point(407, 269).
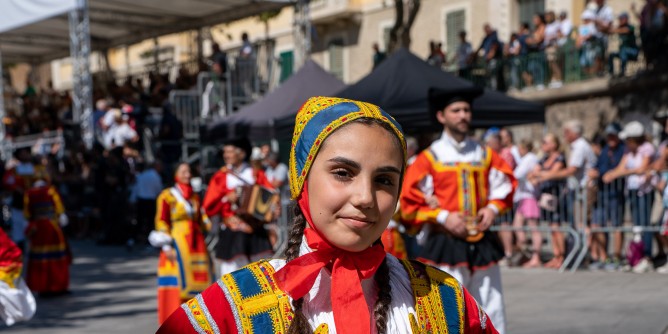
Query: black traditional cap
point(440, 98)
point(243, 143)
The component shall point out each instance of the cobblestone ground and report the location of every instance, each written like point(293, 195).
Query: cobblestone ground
point(113, 291)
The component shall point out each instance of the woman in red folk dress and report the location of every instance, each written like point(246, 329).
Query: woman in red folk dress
point(346, 168)
point(49, 258)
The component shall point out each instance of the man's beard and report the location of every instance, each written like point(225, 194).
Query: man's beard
point(455, 130)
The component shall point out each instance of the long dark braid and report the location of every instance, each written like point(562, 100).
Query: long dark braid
point(299, 323)
point(380, 310)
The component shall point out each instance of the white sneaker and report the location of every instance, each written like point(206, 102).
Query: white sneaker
point(663, 269)
point(555, 84)
point(643, 266)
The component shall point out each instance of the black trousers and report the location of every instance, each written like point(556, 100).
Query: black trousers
point(146, 211)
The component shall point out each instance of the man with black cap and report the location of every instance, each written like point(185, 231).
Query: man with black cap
point(455, 189)
point(239, 243)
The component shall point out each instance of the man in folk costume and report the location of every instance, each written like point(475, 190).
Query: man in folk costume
point(184, 267)
point(455, 189)
point(49, 256)
point(239, 242)
point(16, 301)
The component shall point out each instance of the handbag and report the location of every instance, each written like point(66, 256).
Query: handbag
point(548, 202)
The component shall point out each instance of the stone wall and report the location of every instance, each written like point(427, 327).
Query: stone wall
point(598, 102)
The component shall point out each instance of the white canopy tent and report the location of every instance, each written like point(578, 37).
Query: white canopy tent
point(36, 31)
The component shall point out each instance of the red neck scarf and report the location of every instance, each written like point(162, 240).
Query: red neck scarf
point(186, 189)
point(296, 278)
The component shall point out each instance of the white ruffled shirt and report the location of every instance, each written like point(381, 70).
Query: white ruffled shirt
point(318, 306)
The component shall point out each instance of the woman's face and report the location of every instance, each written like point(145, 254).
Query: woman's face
point(536, 20)
point(632, 144)
point(354, 185)
point(183, 174)
point(522, 149)
point(547, 145)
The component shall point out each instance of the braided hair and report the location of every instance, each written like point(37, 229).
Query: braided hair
point(299, 323)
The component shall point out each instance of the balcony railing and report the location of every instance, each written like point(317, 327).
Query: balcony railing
point(549, 68)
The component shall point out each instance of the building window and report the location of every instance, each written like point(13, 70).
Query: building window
point(287, 64)
point(386, 38)
point(528, 8)
point(455, 22)
point(335, 51)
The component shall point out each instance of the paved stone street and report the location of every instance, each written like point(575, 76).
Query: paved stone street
point(113, 291)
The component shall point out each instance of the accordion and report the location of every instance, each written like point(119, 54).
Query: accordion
point(257, 204)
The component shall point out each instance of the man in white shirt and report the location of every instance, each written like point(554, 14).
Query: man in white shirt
point(565, 28)
point(603, 21)
point(604, 18)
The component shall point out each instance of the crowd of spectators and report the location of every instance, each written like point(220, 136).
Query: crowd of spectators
point(600, 186)
point(551, 48)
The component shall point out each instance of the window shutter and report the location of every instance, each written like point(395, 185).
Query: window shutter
point(528, 8)
point(454, 23)
point(335, 50)
point(287, 64)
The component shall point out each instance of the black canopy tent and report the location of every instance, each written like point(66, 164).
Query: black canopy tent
point(256, 120)
point(400, 86)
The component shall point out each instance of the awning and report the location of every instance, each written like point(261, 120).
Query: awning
point(38, 30)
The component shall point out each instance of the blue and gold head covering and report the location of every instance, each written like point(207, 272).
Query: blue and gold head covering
point(317, 119)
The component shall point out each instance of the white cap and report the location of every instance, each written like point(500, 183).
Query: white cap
point(256, 154)
point(632, 130)
point(588, 15)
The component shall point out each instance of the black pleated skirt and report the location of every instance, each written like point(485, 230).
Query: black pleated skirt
point(442, 248)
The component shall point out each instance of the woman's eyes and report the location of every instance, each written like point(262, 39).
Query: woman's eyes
point(385, 180)
point(342, 174)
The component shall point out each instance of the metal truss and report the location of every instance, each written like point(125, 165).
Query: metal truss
point(82, 83)
point(4, 148)
point(302, 33)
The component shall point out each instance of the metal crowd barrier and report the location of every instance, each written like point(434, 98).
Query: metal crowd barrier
point(186, 106)
point(618, 206)
point(45, 139)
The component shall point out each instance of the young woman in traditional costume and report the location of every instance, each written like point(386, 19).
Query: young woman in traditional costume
point(346, 168)
point(184, 267)
point(49, 256)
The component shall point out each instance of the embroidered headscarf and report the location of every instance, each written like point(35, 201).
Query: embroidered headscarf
point(316, 120)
